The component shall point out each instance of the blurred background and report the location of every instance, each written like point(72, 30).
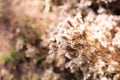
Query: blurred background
point(24, 38)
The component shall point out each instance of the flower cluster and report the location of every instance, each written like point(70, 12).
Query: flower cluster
point(90, 45)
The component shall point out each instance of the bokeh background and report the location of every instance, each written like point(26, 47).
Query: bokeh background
point(24, 38)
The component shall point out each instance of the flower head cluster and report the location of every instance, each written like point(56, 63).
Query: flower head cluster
point(90, 45)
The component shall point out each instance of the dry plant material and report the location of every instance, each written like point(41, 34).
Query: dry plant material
point(91, 46)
